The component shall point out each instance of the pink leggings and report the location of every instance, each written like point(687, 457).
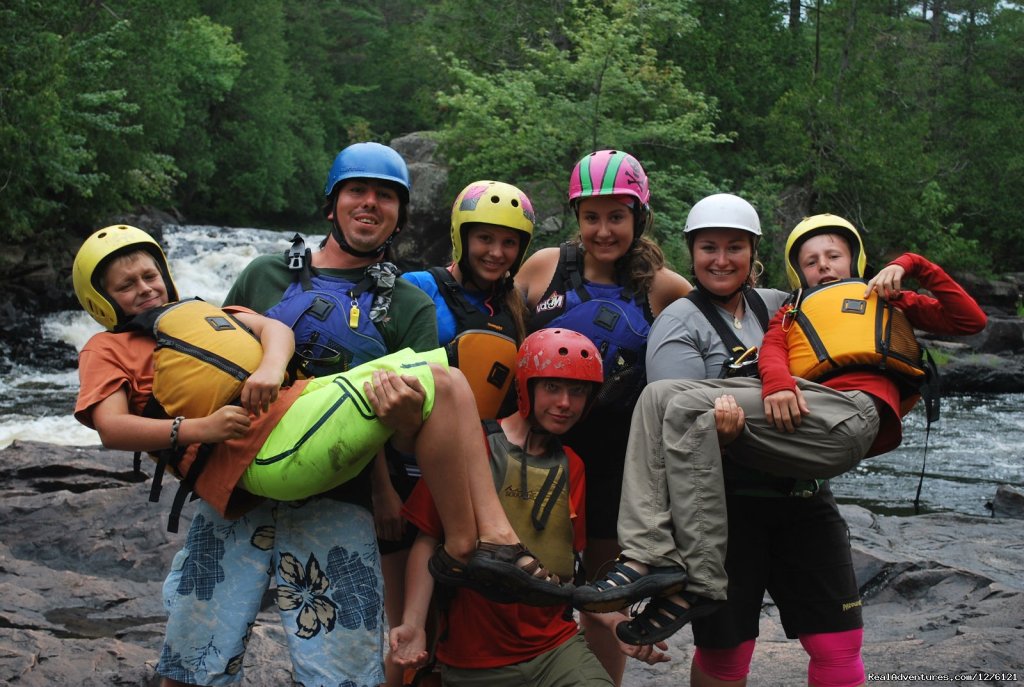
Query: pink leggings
point(835, 659)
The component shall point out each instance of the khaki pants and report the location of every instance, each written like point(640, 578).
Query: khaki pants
point(672, 511)
point(570, 664)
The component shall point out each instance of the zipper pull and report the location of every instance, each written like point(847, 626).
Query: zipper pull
point(353, 315)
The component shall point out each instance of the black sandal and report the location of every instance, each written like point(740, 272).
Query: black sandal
point(622, 586)
point(496, 565)
point(662, 618)
point(451, 572)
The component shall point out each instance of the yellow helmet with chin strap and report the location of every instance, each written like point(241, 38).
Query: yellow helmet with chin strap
point(823, 224)
point(92, 259)
point(492, 202)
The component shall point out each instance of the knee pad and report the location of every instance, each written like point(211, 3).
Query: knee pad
point(727, 665)
point(835, 658)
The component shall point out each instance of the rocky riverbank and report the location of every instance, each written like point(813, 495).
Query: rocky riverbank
point(83, 555)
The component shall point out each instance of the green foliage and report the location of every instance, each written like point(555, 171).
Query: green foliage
point(941, 357)
point(906, 118)
point(609, 88)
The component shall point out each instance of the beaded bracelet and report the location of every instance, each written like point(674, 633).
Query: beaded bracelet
point(175, 426)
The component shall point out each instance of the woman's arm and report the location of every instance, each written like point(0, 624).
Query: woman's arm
point(667, 288)
point(535, 275)
point(674, 351)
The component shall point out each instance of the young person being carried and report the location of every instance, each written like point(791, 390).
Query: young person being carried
point(541, 486)
point(672, 521)
point(282, 443)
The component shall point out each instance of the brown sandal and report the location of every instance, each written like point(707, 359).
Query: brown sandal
point(451, 572)
point(529, 583)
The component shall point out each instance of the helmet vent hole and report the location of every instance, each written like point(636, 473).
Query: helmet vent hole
point(584, 354)
point(563, 351)
point(495, 199)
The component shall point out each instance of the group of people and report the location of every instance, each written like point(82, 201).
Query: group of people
point(632, 425)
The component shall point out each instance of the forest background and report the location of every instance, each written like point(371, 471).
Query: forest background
point(905, 117)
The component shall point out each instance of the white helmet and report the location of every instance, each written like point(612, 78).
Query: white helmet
point(723, 211)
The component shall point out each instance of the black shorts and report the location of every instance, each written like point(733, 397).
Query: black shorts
point(796, 549)
point(600, 440)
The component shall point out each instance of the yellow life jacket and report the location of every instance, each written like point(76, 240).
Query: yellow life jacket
point(833, 328)
point(484, 348)
point(203, 357)
point(534, 491)
point(487, 359)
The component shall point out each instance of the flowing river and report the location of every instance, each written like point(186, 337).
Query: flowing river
point(976, 446)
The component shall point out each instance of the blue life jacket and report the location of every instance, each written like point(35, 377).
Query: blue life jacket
point(614, 319)
point(330, 317)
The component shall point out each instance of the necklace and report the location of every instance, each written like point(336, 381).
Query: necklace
point(737, 316)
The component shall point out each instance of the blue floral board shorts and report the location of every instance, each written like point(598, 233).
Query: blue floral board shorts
point(323, 556)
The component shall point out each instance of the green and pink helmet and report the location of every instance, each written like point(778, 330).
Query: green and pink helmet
point(613, 173)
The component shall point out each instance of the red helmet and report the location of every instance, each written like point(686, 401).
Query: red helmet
point(558, 354)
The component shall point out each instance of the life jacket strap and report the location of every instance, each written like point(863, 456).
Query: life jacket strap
point(187, 485)
point(547, 498)
point(728, 337)
point(569, 256)
point(299, 259)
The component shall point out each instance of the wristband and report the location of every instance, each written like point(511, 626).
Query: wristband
point(175, 426)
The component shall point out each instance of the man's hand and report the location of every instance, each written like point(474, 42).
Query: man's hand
point(784, 409)
point(397, 400)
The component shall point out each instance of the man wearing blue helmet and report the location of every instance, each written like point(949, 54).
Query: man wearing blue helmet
point(345, 307)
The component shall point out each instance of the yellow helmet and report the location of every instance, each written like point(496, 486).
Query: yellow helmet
point(823, 224)
point(492, 202)
point(93, 256)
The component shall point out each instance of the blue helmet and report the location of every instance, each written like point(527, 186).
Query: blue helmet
point(369, 161)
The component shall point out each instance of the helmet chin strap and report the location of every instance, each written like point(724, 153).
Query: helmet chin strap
point(344, 245)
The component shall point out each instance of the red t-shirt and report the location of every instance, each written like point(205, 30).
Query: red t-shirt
point(479, 633)
point(110, 362)
point(951, 311)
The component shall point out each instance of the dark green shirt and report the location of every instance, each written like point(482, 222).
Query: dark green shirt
point(410, 323)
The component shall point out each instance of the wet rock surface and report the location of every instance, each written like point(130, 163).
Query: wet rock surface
point(83, 556)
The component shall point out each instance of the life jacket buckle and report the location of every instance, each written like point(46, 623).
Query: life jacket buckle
point(296, 254)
